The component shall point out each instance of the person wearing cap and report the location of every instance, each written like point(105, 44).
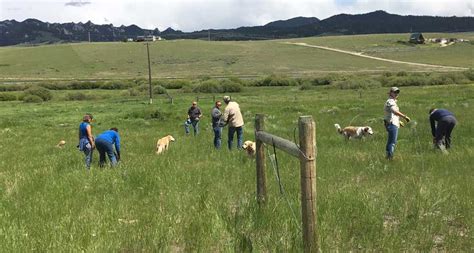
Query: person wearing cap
point(442, 124)
point(86, 139)
point(233, 117)
point(216, 115)
point(194, 115)
point(105, 142)
point(392, 122)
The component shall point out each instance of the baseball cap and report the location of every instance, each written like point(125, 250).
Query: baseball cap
point(395, 89)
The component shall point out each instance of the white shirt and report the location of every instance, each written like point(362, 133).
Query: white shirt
point(389, 108)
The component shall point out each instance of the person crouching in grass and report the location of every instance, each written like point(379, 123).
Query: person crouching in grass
point(105, 142)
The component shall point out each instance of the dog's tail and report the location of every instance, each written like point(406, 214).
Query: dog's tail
point(338, 127)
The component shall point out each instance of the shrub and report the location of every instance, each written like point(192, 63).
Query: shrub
point(76, 96)
point(55, 86)
point(307, 86)
point(148, 113)
point(216, 86)
point(115, 85)
point(469, 74)
point(41, 92)
point(274, 80)
point(87, 85)
point(357, 83)
point(12, 87)
point(327, 80)
point(132, 92)
point(158, 89)
point(32, 99)
point(7, 97)
point(230, 86)
point(175, 84)
point(208, 86)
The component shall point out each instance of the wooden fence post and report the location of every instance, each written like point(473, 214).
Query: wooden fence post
point(260, 161)
point(307, 133)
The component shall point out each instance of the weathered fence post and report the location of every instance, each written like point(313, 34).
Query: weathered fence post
point(307, 133)
point(260, 160)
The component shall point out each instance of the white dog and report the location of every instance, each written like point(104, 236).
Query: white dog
point(61, 144)
point(163, 144)
point(354, 131)
point(250, 147)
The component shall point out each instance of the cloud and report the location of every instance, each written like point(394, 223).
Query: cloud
point(76, 3)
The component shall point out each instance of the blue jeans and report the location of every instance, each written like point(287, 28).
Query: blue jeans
point(240, 137)
point(195, 125)
point(105, 147)
point(217, 137)
point(88, 155)
point(392, 140)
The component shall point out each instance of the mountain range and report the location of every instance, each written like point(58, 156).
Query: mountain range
point(33, 31)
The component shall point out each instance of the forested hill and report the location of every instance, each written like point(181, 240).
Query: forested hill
point(32, 31)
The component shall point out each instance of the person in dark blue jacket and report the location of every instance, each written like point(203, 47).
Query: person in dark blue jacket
point(105, 142)
point(442, 130)
point(86, 139)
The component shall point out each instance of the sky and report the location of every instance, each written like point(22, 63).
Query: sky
point(193, 15)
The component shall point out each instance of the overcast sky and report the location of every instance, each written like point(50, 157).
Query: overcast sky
point(191, 15)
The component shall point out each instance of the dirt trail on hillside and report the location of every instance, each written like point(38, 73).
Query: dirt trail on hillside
point(378, 58)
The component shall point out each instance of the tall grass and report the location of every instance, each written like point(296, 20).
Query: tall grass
point(196, 198)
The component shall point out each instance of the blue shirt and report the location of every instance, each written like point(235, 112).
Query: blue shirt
point(83, 130)
point(438, 115)
point(111, 137)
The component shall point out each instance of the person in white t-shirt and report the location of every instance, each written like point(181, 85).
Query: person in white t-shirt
point(391, 119)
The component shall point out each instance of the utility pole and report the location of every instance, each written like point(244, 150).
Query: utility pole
point(89, 37)
point(208, 35)
point(149, 73)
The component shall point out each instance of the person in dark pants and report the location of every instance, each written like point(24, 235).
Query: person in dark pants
point(86, 139)
point(442, 130)
point(194, 115)
point(233, 117)
point(217, 124)
point(105, 142)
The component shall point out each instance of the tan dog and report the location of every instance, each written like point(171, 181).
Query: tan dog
point(61, 144)
point(354, 132)
point(163, 144)
point(250, 147)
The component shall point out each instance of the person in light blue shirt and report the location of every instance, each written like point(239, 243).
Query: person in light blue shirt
point(105, 143)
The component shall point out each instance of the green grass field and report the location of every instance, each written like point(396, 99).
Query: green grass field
point(389, 46)
point(196, 199)
point(194, 58)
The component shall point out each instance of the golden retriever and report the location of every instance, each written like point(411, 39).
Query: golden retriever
point(163, 144)
point(61, 144)
point(354, 131)
point(250, 147)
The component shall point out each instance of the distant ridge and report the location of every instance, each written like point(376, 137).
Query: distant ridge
point(33, 31)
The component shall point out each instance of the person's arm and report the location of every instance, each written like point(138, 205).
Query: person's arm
point(225, 117)
point(89, 136)
point(216, 113)
point(398, 113)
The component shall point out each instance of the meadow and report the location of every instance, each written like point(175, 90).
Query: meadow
point(194, 198)
point(195, 58)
